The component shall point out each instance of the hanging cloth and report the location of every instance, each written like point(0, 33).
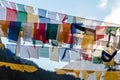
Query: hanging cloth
point(14, 29)
point(109, 57)
point(100, 32)
point(24, 52)
point(20, 7)
point(3, 13)
point(62, 17)
point(27, 31)
point(13, 5)
point(87, 42)
point(4, 27)
point(32, 18)
point(54, 54)
point(43, 52)
point(11, 15)
point(29, 9)
point(51, 32)
point(64, 54)
point(76, 26)
point(75, 55)
point(111, 31)
point(11, 50)
point(40, 32)
point(70, 18)
point(44, 20)
point(42, 12)
point(67, 33)
point(52, 15)
point(60, 34)
point(6, 4)
point(33, 51)
point(21, 16)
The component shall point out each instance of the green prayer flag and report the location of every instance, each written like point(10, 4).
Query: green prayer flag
point(44, 52)
point(52, 30)
point(97, 60)
point(22, 16)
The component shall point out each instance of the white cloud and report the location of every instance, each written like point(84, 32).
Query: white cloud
point(103, 3)
point(114, 16)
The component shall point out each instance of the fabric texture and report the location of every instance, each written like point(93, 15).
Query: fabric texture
point(32, 18)
point(52, 15)
point(13, 6)
point(11, 50)
point(24, 52)
point(75, 55)
point(3, 13)
point(51, 32)
point(97, 60)
point(44, 52)
point(20, 7)
point(14, 29)
point(54, 54)
point(62, 17)
point(66, 32)
point(64, 55)
point(27, 31)
point(33, 51)
point(42, 12)
point(75, 27)
point(70, 18)
point(111, 30)
point(11, 15)
point(6, 4)
point(87, 42)
point(44, 20)
point(29, 9)
point(21, 16)
point(40, 32)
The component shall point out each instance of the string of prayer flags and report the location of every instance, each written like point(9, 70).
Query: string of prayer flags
point(14, 29)
point(42, 12)
point(21, 16)
point(2, 13)
point(27, 31)
point(44, 52)
point(4, 27)
point(11, 15)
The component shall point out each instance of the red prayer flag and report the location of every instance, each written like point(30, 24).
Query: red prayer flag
point(11, 15)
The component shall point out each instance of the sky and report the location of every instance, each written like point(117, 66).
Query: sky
point(103, 10)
